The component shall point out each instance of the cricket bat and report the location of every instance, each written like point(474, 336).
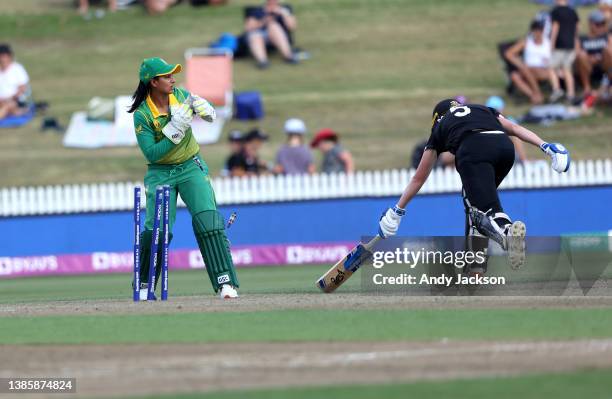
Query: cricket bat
point(345, 268)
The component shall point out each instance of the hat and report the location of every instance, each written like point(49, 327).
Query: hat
point(295, 126)
point(5, 49)
point(442, 108)
point(597, 17)
point(235, 136)
point(153, 67)
point(496, 102)
point(255, 134)
point(324, 134)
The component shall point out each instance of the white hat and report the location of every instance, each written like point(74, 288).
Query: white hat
point(295, 126)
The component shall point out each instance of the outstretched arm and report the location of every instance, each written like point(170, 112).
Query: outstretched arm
point(558, 154)
point(428, 160)
point(389, 223)
point(521, 132)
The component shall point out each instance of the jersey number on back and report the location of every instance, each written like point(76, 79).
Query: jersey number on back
point(460, 112)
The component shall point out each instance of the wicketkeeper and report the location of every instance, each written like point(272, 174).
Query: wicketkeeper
point(162, 120)
point(478, 137)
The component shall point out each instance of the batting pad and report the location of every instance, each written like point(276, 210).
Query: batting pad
point(208, 227)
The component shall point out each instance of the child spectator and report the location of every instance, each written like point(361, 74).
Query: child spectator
point(335, 158)
point(564, 41)
point(14, 84)
point(271, 24)
point(535, 65)
point(247, 162)
point(294, 158)
point(595, 54)
point(235, 140)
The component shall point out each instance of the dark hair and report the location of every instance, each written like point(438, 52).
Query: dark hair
point(536, 25)
point(139, 96)
point(5, 48)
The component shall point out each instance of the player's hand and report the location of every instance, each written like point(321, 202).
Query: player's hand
point(390, 221)
point(180, 121)
point(203, 108)
point(559, 156)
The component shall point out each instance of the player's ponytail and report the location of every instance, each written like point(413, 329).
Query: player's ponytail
point(139, 96)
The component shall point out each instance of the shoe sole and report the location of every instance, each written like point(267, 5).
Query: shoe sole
point(516, 245)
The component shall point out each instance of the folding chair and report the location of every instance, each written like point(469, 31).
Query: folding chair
point(209, 74)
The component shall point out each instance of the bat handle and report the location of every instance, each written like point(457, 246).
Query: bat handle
point(372, 242)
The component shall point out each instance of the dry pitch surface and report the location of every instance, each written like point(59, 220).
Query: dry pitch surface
point(121, 370)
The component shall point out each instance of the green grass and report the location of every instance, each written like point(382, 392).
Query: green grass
point(376, 71)
point(591, 384)
point(310, 325)
point(260, 280)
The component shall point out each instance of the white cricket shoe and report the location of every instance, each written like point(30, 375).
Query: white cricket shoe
point(227, 292)
point(515, 239)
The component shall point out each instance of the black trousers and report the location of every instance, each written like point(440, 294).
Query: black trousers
point(483, 160)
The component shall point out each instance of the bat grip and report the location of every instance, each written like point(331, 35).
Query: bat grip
point(372, 242)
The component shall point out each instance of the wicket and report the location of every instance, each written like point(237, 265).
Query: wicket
point(161, 221)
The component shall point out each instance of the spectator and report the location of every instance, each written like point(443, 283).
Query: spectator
point(236, 141)
point(595, 54)
point(535, 65)
point(156, 7)
point(84, 6)
point(605, 6)
point(498, 104)
point(564, 39)
point(14, 84)
point(272, 25)
point(247, 162)
point(335, 158)
point(294, 158)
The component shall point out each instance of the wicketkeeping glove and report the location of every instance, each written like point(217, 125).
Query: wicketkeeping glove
point(203, 108)
point(180, 121)
point(559, 156)
point(390, 221)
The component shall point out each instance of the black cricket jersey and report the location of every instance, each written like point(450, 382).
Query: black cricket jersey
point(459, 122)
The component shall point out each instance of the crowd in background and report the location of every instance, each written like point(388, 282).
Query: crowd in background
point(557, 52)
point(294, 157)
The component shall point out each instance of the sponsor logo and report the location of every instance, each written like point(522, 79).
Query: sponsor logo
point(339, 277)
point(297, 254)
point(32, 264)
point(223, 279)
point(112, 260)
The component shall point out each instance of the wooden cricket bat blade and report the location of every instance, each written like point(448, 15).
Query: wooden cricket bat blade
point(345, 267)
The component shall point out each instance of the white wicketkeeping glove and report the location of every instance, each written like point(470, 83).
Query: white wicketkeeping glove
point(559, 156)
point(180, 121)
point(390, 221)
point(203, 108)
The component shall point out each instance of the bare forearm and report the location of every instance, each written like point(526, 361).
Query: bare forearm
point(411, 190)
point(521, 132)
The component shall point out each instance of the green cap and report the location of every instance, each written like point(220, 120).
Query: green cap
point(152, 67)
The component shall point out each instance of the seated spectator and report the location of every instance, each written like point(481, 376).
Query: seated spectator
point(156, 7)
point(14, 85)
point(335, 158)
point(294, 158)
point(534, 66)
point(235, 140)
point(247, 162)
point(272, 25)
point(595, 53)
point(84, 6)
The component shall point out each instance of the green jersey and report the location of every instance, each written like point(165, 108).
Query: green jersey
point(157, 148)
